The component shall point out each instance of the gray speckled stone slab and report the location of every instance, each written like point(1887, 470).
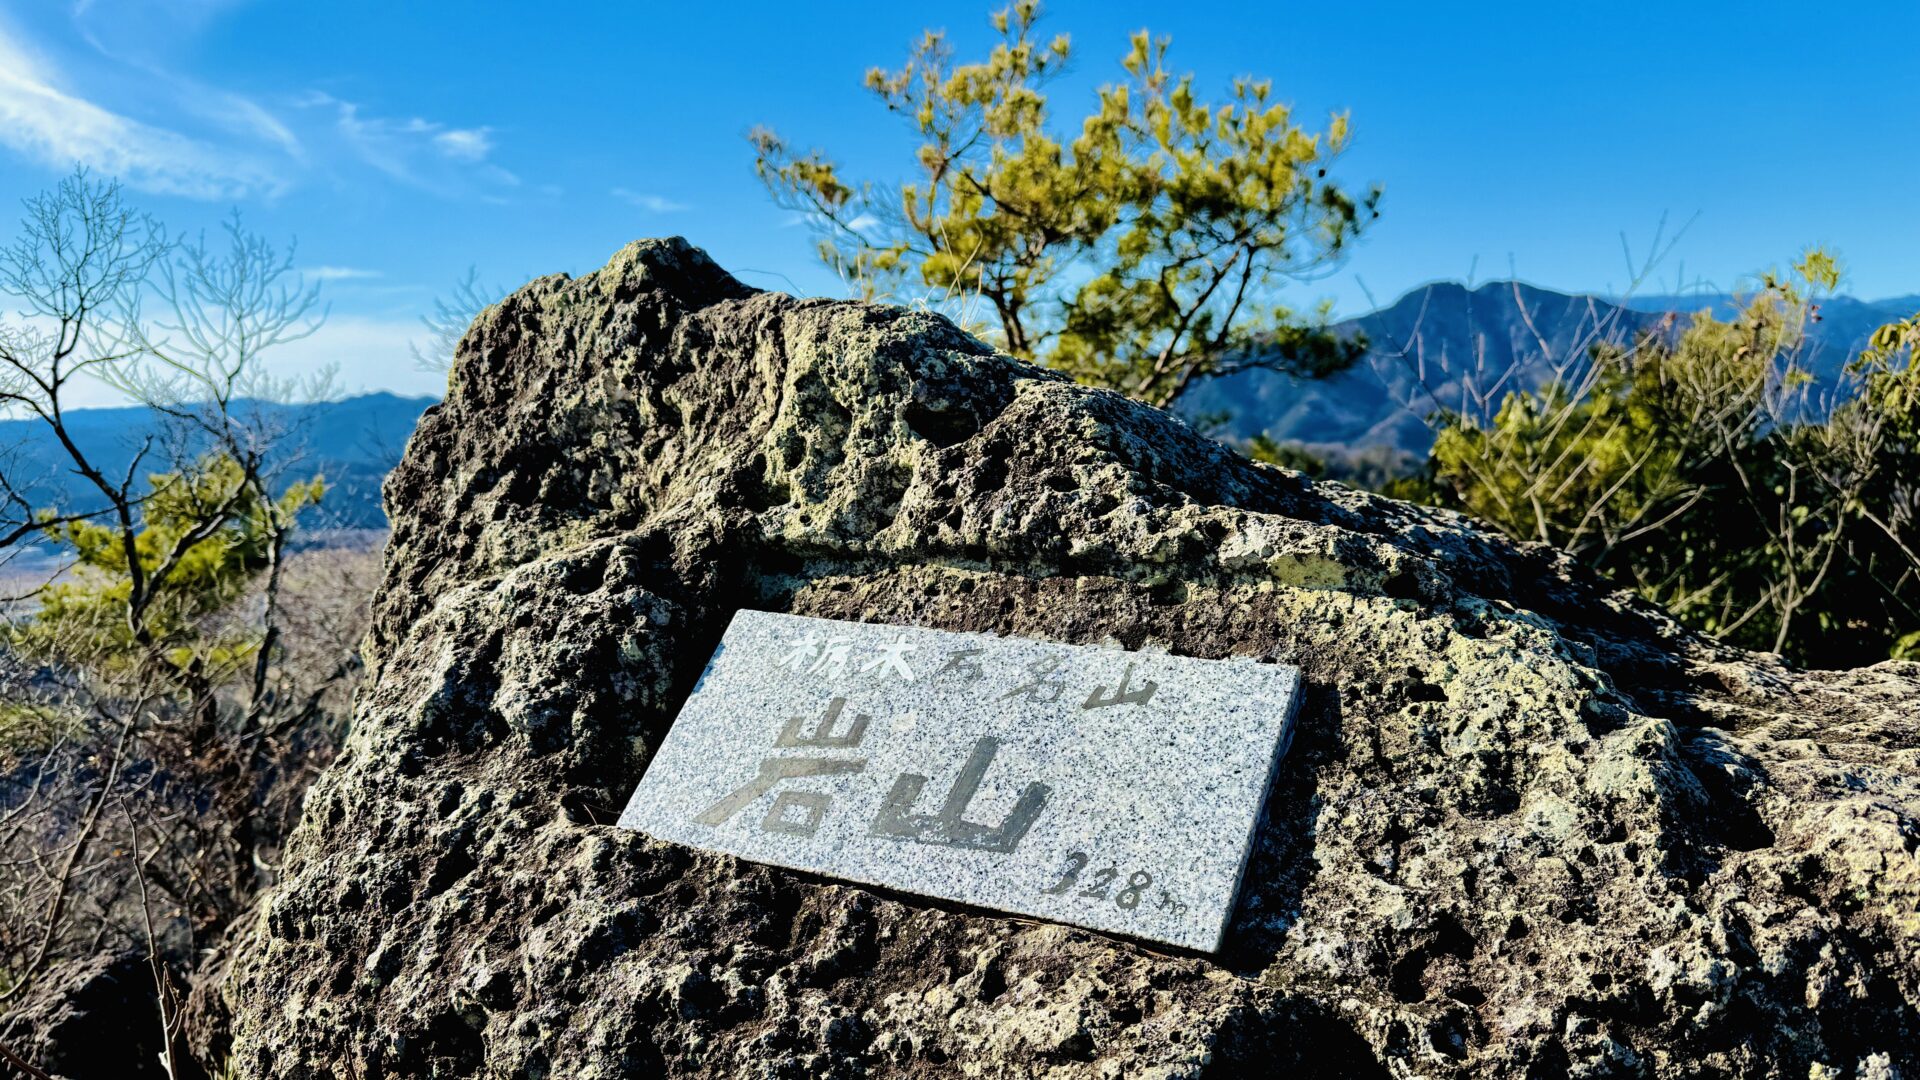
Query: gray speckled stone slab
point(1108, 789)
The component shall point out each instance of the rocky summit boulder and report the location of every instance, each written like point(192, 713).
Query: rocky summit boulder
point(1528, 826)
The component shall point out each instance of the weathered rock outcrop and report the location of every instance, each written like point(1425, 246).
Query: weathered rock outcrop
point(1527, 827)
point(85, 1018)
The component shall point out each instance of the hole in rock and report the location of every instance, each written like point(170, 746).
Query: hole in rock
point(941, 427)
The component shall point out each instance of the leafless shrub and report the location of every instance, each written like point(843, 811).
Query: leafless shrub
point(167, 692)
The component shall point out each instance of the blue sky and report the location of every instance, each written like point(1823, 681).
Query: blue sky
point(403, 142)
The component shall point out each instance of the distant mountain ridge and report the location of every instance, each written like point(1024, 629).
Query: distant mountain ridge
point(1448, 346)
point(1443, 345)
point(352, 442)
point(1841, 332)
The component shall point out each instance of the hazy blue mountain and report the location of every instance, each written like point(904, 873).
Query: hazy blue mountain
point(1841, 332)
point(1441, 346)
point(352, 442)
point(1448, 346)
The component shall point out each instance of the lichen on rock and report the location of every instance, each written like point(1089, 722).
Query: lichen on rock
point(1528, 826)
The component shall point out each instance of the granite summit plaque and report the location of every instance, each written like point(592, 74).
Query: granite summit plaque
point(1108, 789)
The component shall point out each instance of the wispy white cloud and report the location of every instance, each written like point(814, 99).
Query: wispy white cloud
point(244, 117)
point(190, 12)
point(424, 153)
point(135, 34)
point(338, 273)
point(653, 204)
point(44, 121)
point(465, 144)
point(116, 104)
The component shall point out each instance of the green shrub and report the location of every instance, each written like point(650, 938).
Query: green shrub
point(1694, 466)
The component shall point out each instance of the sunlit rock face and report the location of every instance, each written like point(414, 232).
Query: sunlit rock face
point(1528, 826)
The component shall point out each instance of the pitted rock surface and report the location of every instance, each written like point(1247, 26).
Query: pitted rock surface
point(1528, 827)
